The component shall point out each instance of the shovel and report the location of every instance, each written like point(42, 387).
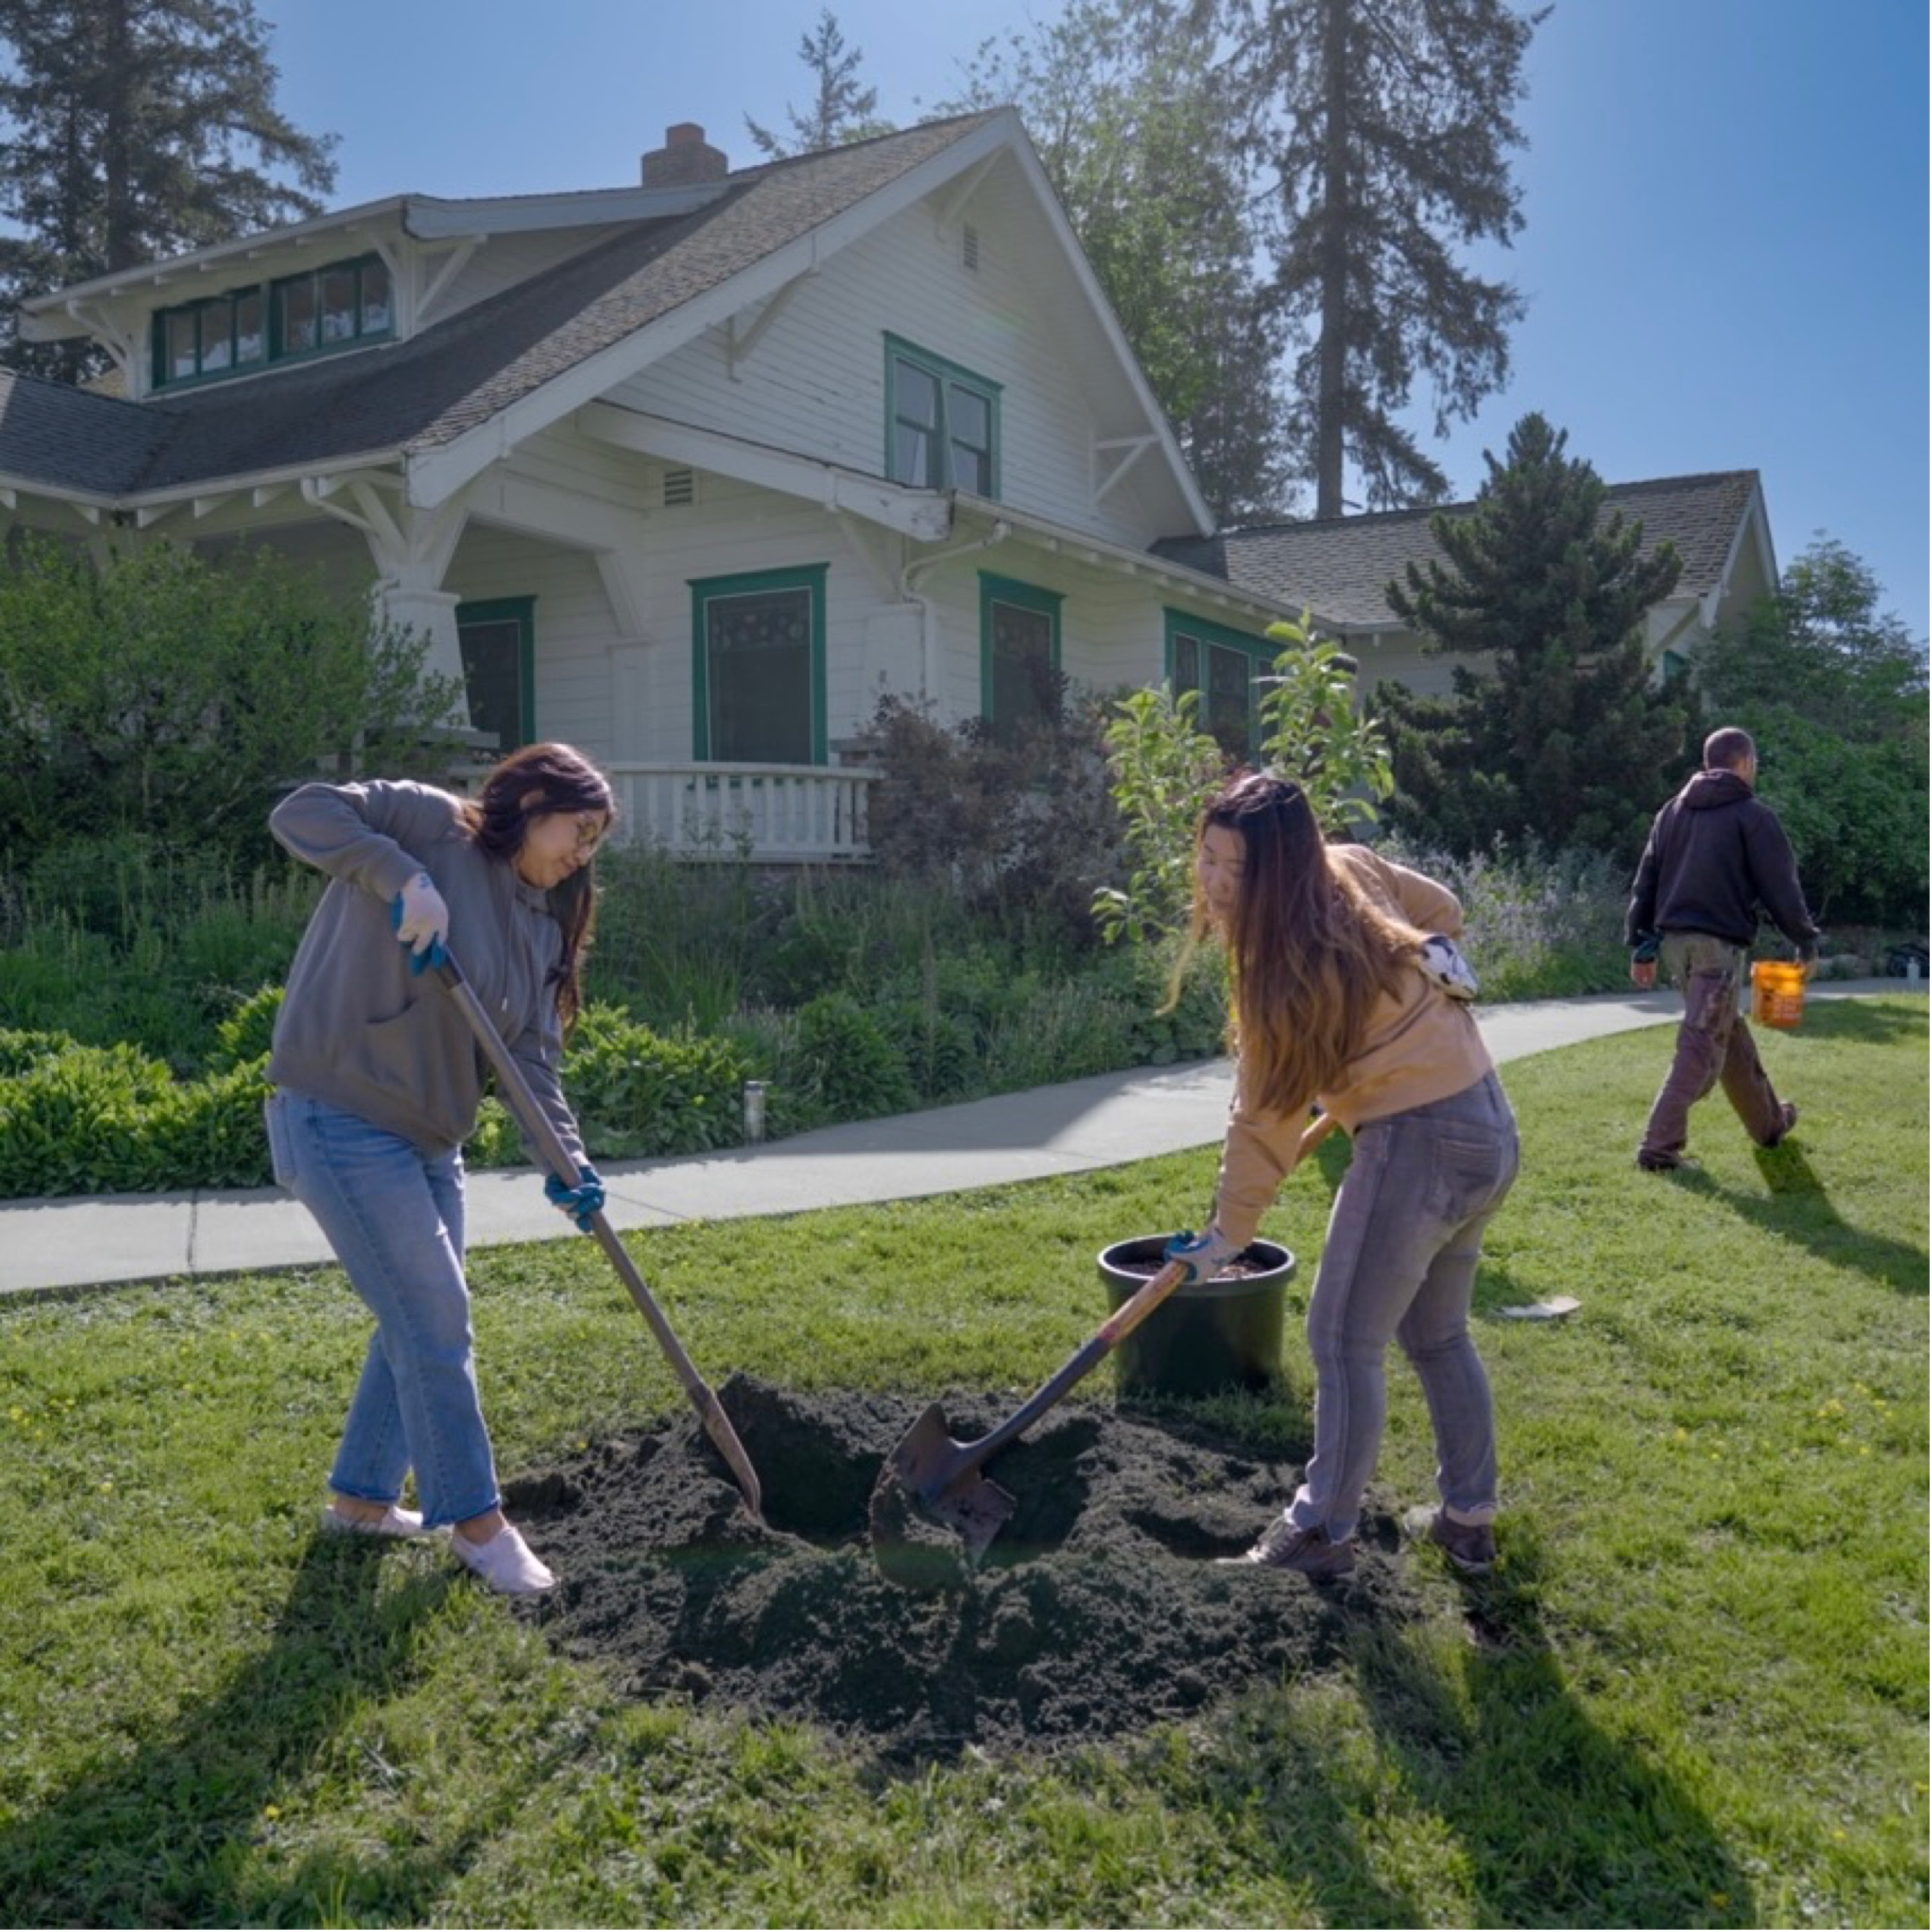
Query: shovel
point(534, 1123)
point(939, 1476)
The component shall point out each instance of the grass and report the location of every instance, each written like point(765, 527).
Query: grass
point(1694, 1694)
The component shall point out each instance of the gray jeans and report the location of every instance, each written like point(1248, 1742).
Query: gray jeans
point(1400, 1264)
point(1713, 1044)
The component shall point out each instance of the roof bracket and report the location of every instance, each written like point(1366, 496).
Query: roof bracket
point(1135, 447)
point(738, 347)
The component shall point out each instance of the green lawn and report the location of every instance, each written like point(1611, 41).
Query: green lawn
point(1695, 1694)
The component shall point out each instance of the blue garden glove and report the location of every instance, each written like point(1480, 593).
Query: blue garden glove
point(582, 1203)
point(1204, 1255)
point(420, 918)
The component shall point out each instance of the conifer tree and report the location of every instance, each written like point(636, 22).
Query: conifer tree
point(132, 130)
point(1567, 740)
point(842, 111)
point(1387, 125)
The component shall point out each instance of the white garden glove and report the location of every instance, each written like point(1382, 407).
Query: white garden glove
point(1442, 960)
point(1203, 1255)
point(420, 918)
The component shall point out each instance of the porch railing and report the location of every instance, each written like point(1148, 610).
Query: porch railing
point(797, 814)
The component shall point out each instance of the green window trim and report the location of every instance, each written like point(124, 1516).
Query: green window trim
point(355, 298)
point(522, 612)
point(705, 591)
point(1260, 652)
point(952, 409)
point(995, 590)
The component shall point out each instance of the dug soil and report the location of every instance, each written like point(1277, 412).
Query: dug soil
point(1098, 1609)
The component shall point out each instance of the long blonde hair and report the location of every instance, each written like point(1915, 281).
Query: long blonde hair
point(1309, 952)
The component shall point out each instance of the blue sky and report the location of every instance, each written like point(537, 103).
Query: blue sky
point(1725, 255)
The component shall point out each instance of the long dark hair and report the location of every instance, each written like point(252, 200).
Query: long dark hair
point(541, 781)
point(1310, 953)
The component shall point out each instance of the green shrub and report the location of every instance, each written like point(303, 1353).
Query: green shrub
point(207, 1133)
point(248, 1032)
point(850, 1061)
point(71, 1121)
point(497, 1141)
point(636, 1092)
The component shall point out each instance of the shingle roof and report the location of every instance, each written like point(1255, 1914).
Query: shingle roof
point(419, 395)
point(1341, 568)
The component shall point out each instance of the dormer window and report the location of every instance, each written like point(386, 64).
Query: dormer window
point(340, 306)
point(942, 423)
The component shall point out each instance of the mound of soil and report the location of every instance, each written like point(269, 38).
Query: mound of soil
point(1097, 1610)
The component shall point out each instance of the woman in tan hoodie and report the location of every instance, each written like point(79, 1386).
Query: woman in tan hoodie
point(1338, 1001)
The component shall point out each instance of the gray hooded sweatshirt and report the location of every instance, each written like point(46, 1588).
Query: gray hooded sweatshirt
point(357, 1030)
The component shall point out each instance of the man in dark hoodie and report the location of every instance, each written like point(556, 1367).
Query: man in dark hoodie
point(1715, 855)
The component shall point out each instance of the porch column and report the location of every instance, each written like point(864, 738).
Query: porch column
point(432, 614)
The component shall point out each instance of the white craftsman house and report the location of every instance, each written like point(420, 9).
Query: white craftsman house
point(689, 474)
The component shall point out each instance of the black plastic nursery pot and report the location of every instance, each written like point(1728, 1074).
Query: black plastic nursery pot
point(1221, 1334)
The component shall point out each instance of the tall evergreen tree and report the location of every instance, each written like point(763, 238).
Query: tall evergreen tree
point(131, 129)
point(842, 111)
point(1387, 125)
point(1567, 741)
point(1138, 130)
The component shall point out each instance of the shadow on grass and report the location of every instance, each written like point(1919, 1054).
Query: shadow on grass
point(1545, 1820)
point(1556, 1822)
point(1796, 1208)
point(167, 1836)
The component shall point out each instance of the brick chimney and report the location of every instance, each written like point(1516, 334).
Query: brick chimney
point(685, 159)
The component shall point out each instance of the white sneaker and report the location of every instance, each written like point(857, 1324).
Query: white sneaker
point(506, 1562)
point(393, 1522)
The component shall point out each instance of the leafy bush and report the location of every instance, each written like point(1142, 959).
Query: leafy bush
point(636, 1092)
point(849, 1060)
point(164, 695)
point(1535, 925)
point(248, 1033)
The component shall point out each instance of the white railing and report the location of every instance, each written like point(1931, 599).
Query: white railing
point(791, 813)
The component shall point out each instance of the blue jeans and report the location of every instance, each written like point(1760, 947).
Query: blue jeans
point(1400, 1263)
point(394, 1217)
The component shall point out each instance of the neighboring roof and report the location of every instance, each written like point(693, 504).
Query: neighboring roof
point(1341, 568)
point(420, 395)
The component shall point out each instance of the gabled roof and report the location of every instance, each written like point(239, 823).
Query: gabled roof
point(1341, 568)
point(529, 354)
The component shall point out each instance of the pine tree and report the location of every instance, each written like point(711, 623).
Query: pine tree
point(844, 112)
point(1388, 125)
point(132, 129)
point(1568, 742)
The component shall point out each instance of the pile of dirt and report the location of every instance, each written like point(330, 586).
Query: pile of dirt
point(1098, 1610)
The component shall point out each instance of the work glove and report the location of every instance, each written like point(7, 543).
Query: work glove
point(420, 918)
point(1442, 960)
point(582, 1203)
point(1643, 961)
point(1203, 1255)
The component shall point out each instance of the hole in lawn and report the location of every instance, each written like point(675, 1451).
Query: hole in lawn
point(1096, 1612)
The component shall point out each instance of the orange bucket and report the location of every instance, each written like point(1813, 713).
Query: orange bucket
point(1777, 993)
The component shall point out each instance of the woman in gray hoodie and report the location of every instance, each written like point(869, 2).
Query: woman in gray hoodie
point(378, 1082)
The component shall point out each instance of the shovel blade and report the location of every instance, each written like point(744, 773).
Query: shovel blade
point(939, 1477)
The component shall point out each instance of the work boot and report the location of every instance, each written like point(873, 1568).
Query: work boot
point(1282, 1546)
point(1652, 1162)
point(1787, 1120)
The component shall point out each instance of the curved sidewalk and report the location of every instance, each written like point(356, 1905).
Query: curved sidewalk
point(80, 1241)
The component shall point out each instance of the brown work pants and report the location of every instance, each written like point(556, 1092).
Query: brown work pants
point(1713, 1044)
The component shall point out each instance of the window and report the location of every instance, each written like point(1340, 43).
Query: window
point(332, 308)
point(1019, 654)
point(1223, 665)
point(758, 667)
point(942, 423)
point(498, 640)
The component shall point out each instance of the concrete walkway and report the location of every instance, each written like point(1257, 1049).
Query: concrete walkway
point(78, 1240)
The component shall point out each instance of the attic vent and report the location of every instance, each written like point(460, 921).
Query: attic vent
point(969, 251)
point(680, 488)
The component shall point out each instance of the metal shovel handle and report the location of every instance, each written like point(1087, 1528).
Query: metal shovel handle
point(536, 1124)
